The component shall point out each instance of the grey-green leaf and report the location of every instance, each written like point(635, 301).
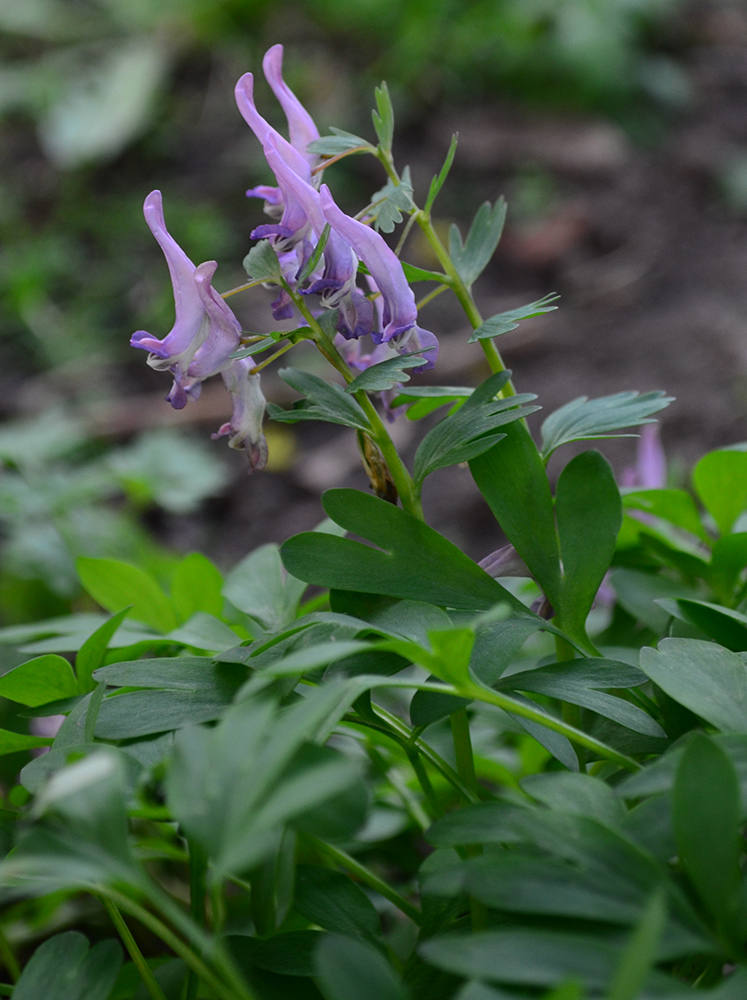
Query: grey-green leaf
point(324, 401)
point(261, 263)
point(387, 373)
point(472, 430)
point(348, 968)
point(506, 321)
point(472, 256)
point(709, 680)
point(585, 419)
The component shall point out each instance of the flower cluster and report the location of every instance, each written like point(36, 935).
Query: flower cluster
point(206, 333)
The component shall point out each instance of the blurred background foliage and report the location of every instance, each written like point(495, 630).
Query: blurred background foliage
point(103, 100)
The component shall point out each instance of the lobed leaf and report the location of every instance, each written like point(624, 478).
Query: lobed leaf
point(383, 117)
point(438, 181)
point(472, 429)
point(387, 373)
point(339, 142)
point(324, 401)
point(506, 321)
point(261, 263)
point(471, 256)
point(388, 204)
point(585, 419)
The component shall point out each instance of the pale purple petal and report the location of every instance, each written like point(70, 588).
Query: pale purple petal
point(263, 130)
point(400, 312)
point(340, 262)
point(650, 469)
point(300, 123)
point(223, 328)
point(245, 425)
point(181, 341)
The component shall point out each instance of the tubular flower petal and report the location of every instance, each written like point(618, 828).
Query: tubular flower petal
point(295, 159)
point(336, 284)
point(300, 123)
point(399, 313)
point(205, 331)
point(245, 425)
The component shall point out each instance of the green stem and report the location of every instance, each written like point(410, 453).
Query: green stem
point(230, 987)
point(367, 877)
point(400, 476)
point(151, 983)
point(464, 296)
point(465, 760)
point(425, 782)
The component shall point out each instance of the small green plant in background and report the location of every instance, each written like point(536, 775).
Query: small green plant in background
point(416, 779)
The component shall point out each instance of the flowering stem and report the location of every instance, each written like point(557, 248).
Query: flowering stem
point(400, 476)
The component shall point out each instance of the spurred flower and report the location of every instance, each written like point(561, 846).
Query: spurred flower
point(301, 125)
point(205, 331)
point(399, 314)
point(245, 425)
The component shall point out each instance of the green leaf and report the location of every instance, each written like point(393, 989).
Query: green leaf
point(720, 480)
point(589, 514)
point(472, 256)
point(513, 480)
point(438, 182)
point(260, 587)
point(206, 632)
point(175, 692)
point(335, 902)
point(39, 681)
point(472, 430)
point(316, 256)
point(424, 399)
point(585, 419)
point(383, 117)
point(387, 373)
point(388, 204)
point(727, 627)
point(413, 273)
point(523, 957)
point(287, 780)
point(115, 584)
point(675, 506)
point(17, 742)
point(340, 142)
point(506, 321)
point(196, 586)
point(709, 680)
point(348, 968)
point(639, 955)
point(417, 564)
point(91, 654)
point(584, 682)
point(64, 967)
point(261, 264)
point(324, 401)
point(706, 814)
point(728, 559)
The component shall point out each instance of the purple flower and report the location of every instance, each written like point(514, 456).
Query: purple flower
point(336, 282)
point(295, 158)
point(205, 332)
point(300, 123)
point(245, 425)
point(650, 469)
point(399, 314)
